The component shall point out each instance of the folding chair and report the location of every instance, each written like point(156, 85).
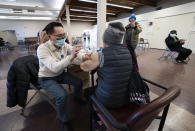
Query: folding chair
point(3, 48)
point(43, 94)
point(144, 44)
point(133, 117)
point(167, 53)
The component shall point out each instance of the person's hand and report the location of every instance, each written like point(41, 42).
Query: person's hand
point(75, 51)
point(182, 41)
point(132, 25)
point(87, 57)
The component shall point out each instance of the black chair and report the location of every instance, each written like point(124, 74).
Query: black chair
point(133, 117)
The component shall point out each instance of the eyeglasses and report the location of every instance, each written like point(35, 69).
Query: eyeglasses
point(60, 36)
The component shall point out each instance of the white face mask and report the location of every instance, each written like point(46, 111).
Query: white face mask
point(173, 35)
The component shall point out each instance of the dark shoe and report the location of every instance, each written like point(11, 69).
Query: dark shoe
point(80, 101)
point(61, 125)
point(68, 126)
point(65, 126)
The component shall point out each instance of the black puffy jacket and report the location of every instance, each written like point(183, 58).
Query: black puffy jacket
point(172, 43)
point(22, 72)
point(113, 77)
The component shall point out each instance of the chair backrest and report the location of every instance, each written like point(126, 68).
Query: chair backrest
point(142, 118)
point(141, 40)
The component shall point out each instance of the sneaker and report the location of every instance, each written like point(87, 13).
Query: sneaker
point(178, 61)
point(184, 62)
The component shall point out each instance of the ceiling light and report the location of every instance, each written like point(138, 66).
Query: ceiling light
point(110, 4)
point(11, 0)
point(25, 18)
point(83, 16)
point(3, 17)
point(121, 6)
point(88, 11)
point(89, 1)
point(80, 20)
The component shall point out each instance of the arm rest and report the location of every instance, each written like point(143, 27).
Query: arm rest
point(93, 71)
point(92, 76)
point(107, 115)
point(153, 83)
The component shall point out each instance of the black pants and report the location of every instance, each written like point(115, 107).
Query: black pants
point(134, 57)
point(183, 53)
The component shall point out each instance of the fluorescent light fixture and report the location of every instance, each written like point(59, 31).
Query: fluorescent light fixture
point(3, 17)
point(11, 0)
point(25, 18)
point(80, 20)
point(89, 1)
point(121, 6)
point(82, 16)
point(89, 11)
point(114, 5)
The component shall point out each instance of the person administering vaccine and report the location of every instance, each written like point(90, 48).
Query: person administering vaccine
point(54, 57)
point(175, 44)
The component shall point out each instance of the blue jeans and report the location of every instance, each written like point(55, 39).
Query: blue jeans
point(53, 87)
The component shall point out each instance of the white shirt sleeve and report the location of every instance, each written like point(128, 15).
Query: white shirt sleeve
point(47, 60)
point(79, 57)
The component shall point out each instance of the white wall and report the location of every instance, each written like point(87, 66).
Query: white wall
point(26, 28)
point(77, 28)
point(181, 18)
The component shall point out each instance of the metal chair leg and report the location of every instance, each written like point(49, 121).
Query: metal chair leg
point(23, 108)
point(91, 115)
point(163, 55)
point(163, 119)
point(22, 111)
point(69, 88)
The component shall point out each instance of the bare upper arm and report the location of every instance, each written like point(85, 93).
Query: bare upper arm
point(91, 64)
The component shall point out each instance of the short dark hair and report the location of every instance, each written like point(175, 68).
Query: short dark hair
point(173, 32)
point(50, 27)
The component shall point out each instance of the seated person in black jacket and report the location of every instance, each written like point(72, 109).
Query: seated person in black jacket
point(175, 44)
point(2, 42)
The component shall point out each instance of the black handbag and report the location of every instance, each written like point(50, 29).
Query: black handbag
point(138, 89)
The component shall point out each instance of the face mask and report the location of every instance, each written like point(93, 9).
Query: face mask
point(132, 22)
point(60, 42)
point(173, 35)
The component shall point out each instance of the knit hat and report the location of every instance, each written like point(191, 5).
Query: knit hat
point(173, 32)
point(132, 16)
point(114, 33)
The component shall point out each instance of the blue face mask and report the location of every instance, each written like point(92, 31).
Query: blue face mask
point(60, 42)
